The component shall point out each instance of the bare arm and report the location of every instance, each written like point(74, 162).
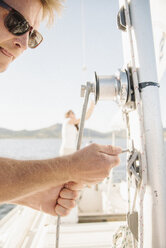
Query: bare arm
point(19, 178)
point(90, 110)
point(89, 165)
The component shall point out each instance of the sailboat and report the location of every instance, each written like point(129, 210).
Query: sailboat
point(135, 88)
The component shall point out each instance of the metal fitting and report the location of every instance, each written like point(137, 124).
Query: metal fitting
point(89, 86)
point(115, 87)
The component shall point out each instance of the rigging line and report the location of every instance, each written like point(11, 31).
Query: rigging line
point(162, 45)
point(134, 201)
point(83, 35)
point(58, 231)
point(141, 124)
point(126, 116)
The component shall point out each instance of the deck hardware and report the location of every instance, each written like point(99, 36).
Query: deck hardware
point(132, 220)
point(113, 87)
point(85, 91)
point(145, 84)
point(83, 88)
point(121, 20)
point(134, 167)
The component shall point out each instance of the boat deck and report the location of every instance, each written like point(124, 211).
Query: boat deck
point(91, 235)
point(27, 228)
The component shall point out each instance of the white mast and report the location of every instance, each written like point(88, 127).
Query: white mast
point(154, 204)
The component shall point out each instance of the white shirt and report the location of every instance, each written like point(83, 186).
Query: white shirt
point(69, 136)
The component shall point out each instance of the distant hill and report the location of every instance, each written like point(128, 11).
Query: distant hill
point(53, 131)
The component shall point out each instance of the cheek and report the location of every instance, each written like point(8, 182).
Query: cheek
point(3, 31)
point(4, 62)
point(4, 35)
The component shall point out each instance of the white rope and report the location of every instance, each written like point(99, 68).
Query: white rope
point(58, 231)
point(135, 198)
point(128, 176)
point(162, 45)
point(83, 36)
point(141, 124)
point(131, 207)
point(123, 238)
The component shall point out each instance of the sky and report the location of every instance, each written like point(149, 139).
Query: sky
point(40, 86)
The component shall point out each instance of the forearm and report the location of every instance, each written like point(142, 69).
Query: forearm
point(20, 178)
point(89, 111)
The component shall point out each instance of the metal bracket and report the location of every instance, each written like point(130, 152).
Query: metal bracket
point(113, 87)
point(132, 220)
point(134, 167)
point(121, 19)
point(89, 86)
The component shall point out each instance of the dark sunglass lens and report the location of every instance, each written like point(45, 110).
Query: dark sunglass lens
point(35, 38)
point(16, 24)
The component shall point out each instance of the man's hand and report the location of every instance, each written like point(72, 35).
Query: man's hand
point(54, 201)
point(93, 163)
point(35, 182)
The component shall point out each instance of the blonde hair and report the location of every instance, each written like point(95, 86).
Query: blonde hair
point(67, 114)
point(50, 7)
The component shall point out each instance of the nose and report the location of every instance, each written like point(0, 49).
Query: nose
point(22, 41)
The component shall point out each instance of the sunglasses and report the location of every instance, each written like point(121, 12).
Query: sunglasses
point(17, 25)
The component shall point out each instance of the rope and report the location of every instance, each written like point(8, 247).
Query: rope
point(58, 231)
point(162, 45)
point(141, 125)
point(83, 36)
point(123, 238)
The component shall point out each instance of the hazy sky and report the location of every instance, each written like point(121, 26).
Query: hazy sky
point(44, 83)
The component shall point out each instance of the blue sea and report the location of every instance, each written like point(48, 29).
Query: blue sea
point(48, 148)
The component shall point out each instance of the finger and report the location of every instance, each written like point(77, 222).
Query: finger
point(66, 203)
point(74, 186)
point(110, 150)
point(59, 210)
point(114, 160)
point(69, 194)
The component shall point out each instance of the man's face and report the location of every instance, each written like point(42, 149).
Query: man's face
point(12, 46)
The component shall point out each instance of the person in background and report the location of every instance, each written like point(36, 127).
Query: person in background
point(49, 185)
point(70, 130)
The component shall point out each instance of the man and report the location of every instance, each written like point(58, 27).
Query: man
point(50, 185)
